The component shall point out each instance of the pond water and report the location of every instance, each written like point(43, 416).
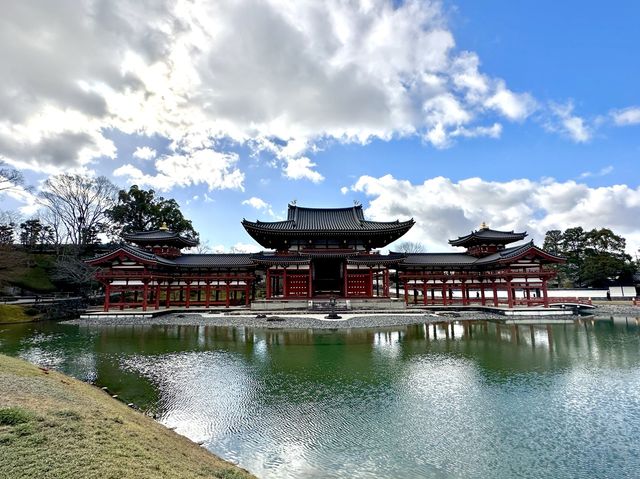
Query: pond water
point(466, 399)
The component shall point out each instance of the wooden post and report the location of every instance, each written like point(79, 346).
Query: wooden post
point(424, 292)
point(545, 295)
point(207, 294)
point(370, 282)
point(145, 292)
point(444, 294)
point(107, 295)
point(157, 305)
point(463, 292)
point(509, 294)
point(188, 301)
point(494, 287)
point(285, 285)
point(483, 300)
point(268, 280)
point(345, 273)
point(406, 293)
point(167, 300)
point(310, 282)
point(227, 294)
point(246, 293)
point(122, 299)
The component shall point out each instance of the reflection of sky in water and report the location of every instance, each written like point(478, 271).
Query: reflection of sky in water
point(439, 400)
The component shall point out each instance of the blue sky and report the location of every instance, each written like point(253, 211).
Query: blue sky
point(524, 115)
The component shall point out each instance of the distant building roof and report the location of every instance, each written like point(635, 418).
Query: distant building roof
point(488, 236)
point(159, 237)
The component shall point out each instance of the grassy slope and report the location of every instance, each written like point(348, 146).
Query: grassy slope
point(53, 426)
point(36, 277)
point(10, 313)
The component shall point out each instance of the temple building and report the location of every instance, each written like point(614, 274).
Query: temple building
point(326, 252)
point(323, 253)
point(479, 275)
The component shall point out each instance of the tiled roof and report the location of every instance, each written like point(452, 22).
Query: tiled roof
point(228, 260)
point(315, 220)
point(135, 252)
point(487, 235)
point(390, 258)
point(439, 259)
point(463, 259)
point(159, 236)
point(273, 258)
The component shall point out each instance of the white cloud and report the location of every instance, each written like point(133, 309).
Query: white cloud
point(444, 209)
point(280, 74)
point(344, 190)
point(514, 106)
point(216, 170)
point(563, 121)
point(145, 153)
point(602, 172)
point(626, 116)
point(256, 203)
point(493, 131)
point(302, 168)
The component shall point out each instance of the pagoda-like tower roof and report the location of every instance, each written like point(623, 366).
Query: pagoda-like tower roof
point(486, 235)
point(159, 237)
point(310, 223)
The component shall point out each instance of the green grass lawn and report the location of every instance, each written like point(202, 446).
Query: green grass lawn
point(10, 313)
point(36, 277)
point(53, 426)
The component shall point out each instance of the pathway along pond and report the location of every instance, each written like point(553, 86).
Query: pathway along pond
point(475, 399)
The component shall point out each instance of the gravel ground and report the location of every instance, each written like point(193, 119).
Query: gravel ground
point(299, 320)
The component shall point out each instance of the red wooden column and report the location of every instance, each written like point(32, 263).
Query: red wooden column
point(444, 293)
point(145, 292)
point(545, 295)
point(107, 296)
point(246, 293)
point(207, 294)
point(463, 292)
point(483, 300)
point(424, 292)
point(188, 299)
point(494, 287)
point(310, 282)
point(345, 273)
point(268, 292)
point(385, 280)
point(157, 305)
point(406, 292)
point(370, 287)
point(227, 294)
point(167, 300)
point(285, 285)
point(509, 294)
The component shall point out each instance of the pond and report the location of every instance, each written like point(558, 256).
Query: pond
point(442, 400)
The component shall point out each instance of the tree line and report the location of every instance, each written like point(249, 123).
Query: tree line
point(595, 258)
point(77, 214)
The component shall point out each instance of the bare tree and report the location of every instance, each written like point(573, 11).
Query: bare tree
point(73, 271)
point(410, 247)
point(10, 178)
point(79, 204)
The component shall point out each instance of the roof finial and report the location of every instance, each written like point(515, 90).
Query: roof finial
point(164, 227)
point(293, 202)
point(484, 226)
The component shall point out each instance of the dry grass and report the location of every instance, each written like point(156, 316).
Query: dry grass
point(53, 426)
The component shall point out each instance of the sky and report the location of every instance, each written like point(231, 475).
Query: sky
point(523, 115)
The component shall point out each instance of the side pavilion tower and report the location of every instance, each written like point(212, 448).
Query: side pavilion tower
point(322, 252)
